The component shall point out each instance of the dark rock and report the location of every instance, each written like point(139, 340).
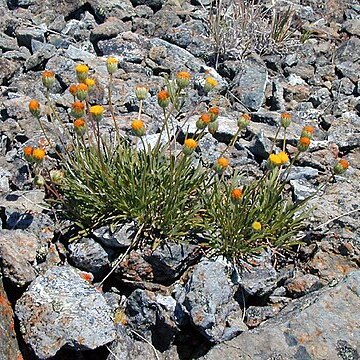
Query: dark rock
point(153, 4)
point(249, 84)
point(255, 315)
point(209, 299)
point(86, 254)
point(9, 348)
point(304, 329)
point(27, 35)
point(305, 71)
point(302, 284)
point(65, 307)
point(119, 237)
point(18, 250)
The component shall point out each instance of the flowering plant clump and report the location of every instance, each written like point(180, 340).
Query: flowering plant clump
point(165, 187)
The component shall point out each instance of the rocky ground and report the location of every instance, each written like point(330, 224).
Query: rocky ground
point(174, 303)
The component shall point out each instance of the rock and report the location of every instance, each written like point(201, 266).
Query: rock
point(301, 285)
point(209, 299)
point(348, 50)
point(109, 29)
point(304, 71)
point(302, 189)
point(9, 348)
point(249, 84)
point(153, 4)
point(88, 255)
point(7, 69)
point(18, 250)
point(152, 319)
point(321, 325)
point(349, 69)
point(65, 307)
point(44, 53)
point(352, 27)
point(255, 315)
point(25, 36)
point(8, 43)
point(120, 237)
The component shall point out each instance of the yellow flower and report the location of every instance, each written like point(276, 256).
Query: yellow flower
point(34, 107)
point(210, 84)
point(38, 155)
point(138, 127)
point(82, 72)
point(285, 119)
point(256, 225)
point(163, 98)
point(183, 79)
point(112, 65)
point(97, 112)
point(236, 195)
point(283, 156)
point(48, 78)
point(221, 164)
point(274, 160)
point(90, 83)
point(189, 146)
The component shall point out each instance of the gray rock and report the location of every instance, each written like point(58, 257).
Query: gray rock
point(304, 71)
point(42, 54)
point(352, 27)
point(8, 43)
point(302, 189)
point(109, 29)
point(344, 130)
point(249, 84)
point(153, 320)
point(302, 172)
point(349, 69)
point(86, 254)
point(7, 69)
point(9, 348)
point(27, 35)
point(18, 250)
point(348, 50)
point(255, 315)
point(321, 325)
point(209, 299)
point(120, 237)
point(61, 309)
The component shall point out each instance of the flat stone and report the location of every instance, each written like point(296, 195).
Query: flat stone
point(18, 250)
point(67, 309)
point(321, 325)
point(249, 84)
point(8, 43)
point(7, 69)
point(302, 284)
point(352, 26)
point(209, 299)
point(9, 348)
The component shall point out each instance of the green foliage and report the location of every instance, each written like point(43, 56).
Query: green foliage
point(230, 223)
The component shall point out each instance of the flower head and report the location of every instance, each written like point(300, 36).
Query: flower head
point(244, 121)
point(56, 176)
point(82, 72)
point(285, 119)
point(97, 112)
point(189, 146)
point(141, 92)
point(236, 195)
point(307, 131)
point(221, 165)
point(213, 127)
point(48, 78)
point(73, 89)
point(138, 127)
point(34, 107)
point(203, 121)
point(183, 79)
point(256, 225)
point(274, 160)
point(210, 84)
point(163, 98)
point(283, 156)
point(38, 155)
point(77, 109)
point(90, 83)
point(303, 144)
point(80, 126)
point(341, 167)
point(214, 113)
point(28, 151)
point(112, 65)
point(82, 91)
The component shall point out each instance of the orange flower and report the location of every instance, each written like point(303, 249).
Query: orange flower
point(189, 146)
point(307, 131)
point(303, 144)
point(73, 89)
point(138, 127)
point(221, 164)
point(341, 167)
point(183, 79)
point(203, 121)
point(82, 91)
point(214, 113)
point(38, 155)
point(79, 126)
point(48, 78)
point(163, 98)
point(34, 107)
point(28, 151)
point(243, 121)
point(285, 119)
point(77, 109)
point(236, 195)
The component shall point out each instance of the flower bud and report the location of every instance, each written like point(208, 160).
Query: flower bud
point(203, 121)
point(236, 195)
point(90, 83)
point(189, 146)
point(56, 176)
point(221, 165)
point(48, 79)
point(243, 121)
point(213, 127)
point(73, 89)
point(285, 120)
point(112, 65)
point(183, 79)
point(141, 92)
point(39, 180)
point(138, 127)
point(80, 127)
point(38, 155)
point(28, 151)
point(77, 109)
point(307, 131)
point(82, 91)
point(163, 98)
point(34, 108)
point(214, 113)
point(341, 167)
point(97, 112)
point(303, 144)
point(210, 84)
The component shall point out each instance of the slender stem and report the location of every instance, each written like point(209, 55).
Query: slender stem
point(276, 135)
point(111, 108)
point(284, 141)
